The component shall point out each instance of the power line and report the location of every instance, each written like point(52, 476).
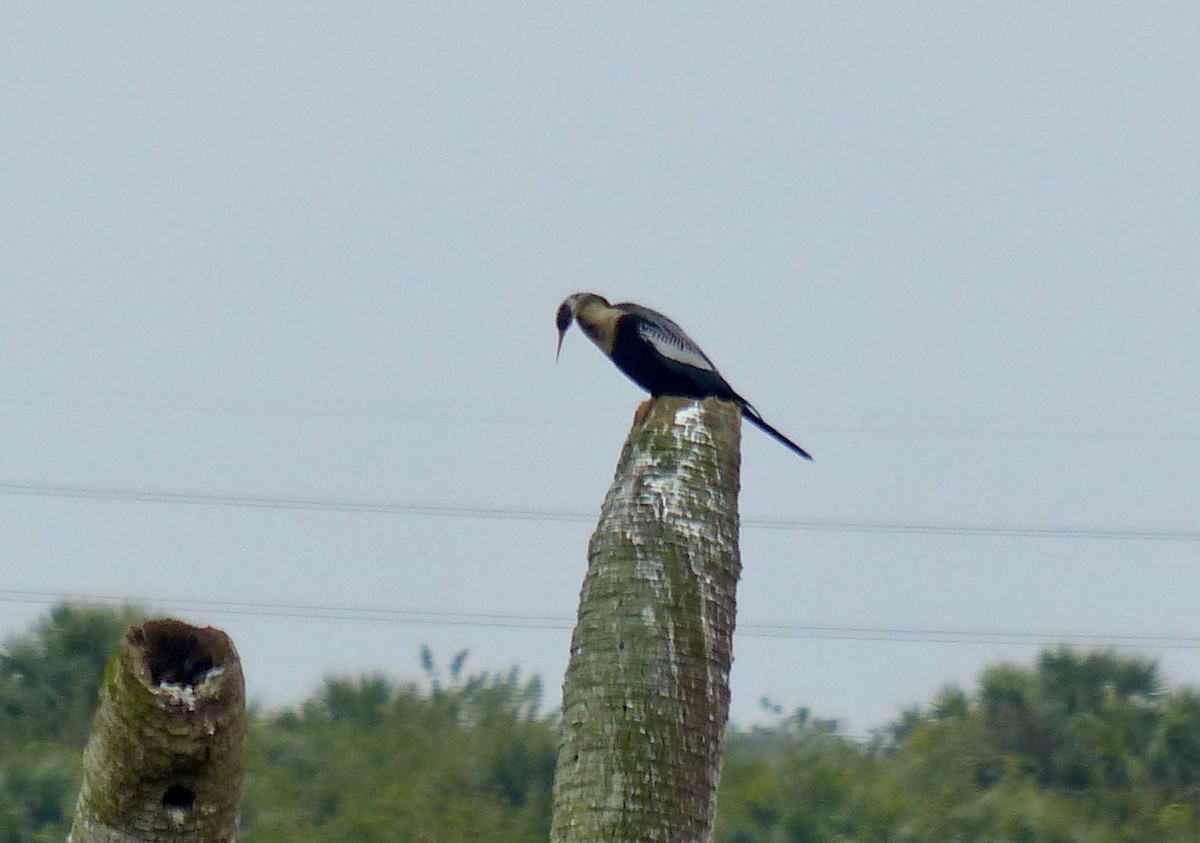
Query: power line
point(486, 620)
point(549, 515)
point(321, 504)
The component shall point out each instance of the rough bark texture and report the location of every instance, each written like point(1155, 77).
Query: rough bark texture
point(164, 760)
point(646, 694)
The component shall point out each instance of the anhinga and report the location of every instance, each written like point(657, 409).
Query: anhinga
point(655, 353)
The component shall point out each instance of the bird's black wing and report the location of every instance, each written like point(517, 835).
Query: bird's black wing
point(669, 362)
point(683, 369)
point(667, 338)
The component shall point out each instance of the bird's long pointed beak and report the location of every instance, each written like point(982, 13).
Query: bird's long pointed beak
point(558, 351)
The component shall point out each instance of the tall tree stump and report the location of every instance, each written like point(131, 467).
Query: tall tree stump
point(646, 694)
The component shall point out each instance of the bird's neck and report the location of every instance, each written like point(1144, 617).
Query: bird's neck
point(599, 321)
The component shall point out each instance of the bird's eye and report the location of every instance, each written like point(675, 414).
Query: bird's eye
point(563, 319)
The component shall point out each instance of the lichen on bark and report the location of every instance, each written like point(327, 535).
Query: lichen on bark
point(646, 694)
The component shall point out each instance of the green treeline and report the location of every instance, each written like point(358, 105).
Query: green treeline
point(1082, 746)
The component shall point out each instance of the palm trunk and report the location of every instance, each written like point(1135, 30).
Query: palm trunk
point(164, 760)
point(646, 694)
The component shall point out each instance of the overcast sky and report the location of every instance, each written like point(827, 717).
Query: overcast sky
point(257, 253)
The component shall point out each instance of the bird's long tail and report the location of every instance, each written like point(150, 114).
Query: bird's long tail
point(752, 415)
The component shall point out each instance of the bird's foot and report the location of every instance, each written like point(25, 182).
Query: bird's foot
point(643, 410)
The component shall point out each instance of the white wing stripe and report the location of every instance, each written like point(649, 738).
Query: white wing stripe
point(674, 347)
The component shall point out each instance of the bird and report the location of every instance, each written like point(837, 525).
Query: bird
point(655, 353)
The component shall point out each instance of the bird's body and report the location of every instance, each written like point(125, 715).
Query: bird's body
point(655, 353)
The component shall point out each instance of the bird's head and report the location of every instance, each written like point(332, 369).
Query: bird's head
point(569, 310)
